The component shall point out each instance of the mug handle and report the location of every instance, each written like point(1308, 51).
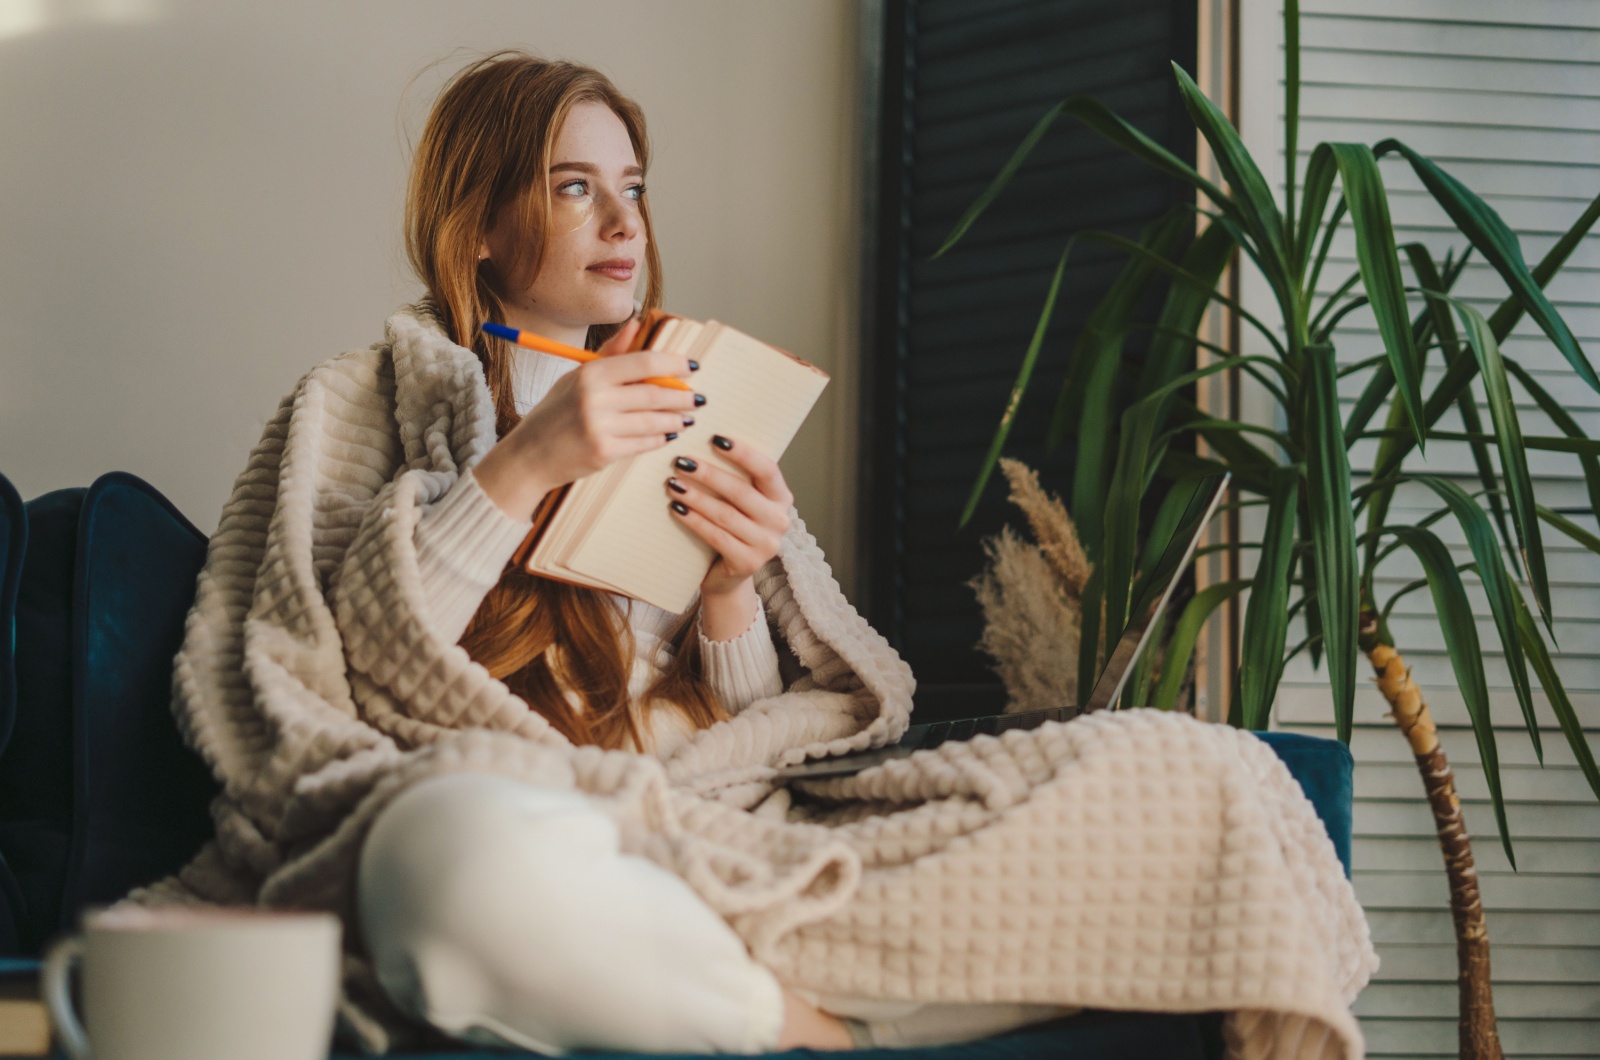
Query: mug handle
point(53, 979)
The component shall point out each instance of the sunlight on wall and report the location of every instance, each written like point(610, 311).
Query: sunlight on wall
point(21, 17)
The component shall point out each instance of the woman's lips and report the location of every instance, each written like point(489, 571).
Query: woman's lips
point(616, 270)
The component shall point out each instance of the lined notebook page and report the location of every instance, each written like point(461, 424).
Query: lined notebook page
point(756, 396)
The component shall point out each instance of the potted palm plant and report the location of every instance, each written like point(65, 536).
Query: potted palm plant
point(1323, 535)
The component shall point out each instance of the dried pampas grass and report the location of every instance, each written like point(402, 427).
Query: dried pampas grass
point(1030, 625)
point(1029, 592)
point(1052, 527)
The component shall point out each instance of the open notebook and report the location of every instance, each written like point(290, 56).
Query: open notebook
point(612, 530)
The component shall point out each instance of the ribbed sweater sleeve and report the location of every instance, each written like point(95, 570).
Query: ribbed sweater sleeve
point(463, 543)
point(744, 669)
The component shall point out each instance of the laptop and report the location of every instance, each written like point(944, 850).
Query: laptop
point(1151, 596)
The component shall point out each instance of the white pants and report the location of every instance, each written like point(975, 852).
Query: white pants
point(504, 913)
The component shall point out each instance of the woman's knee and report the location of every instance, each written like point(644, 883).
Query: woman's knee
point(450, 873)
point(492, 904)
point(448, 837)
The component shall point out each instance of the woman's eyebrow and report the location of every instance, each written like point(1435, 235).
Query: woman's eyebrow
point(592, 169)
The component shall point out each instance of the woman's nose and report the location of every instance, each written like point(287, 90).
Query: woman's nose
point(621, 218)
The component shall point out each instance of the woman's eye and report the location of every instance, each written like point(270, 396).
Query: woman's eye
point(573, 188)
point(635, 192)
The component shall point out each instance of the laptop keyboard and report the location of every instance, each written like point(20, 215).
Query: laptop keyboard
point(922, 737)
point(992, 725)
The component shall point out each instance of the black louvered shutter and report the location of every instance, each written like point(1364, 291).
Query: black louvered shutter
point(964, 82)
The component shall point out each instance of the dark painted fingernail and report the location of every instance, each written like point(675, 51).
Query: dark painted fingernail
point(699, 399)
point(675, 484)
point(684, 463)
point(721, 443)
point(680, 507)
point(694, 366)
point(688, 421)
point(673, 435)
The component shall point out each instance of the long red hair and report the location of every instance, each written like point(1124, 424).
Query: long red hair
point(486, 148)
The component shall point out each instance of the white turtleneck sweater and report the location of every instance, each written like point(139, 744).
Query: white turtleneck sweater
point(464, 542)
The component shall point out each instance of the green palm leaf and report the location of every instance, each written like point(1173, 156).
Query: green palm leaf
point(1320, 327)
point(1291, 112)
point(1412, 586)
point(1496, 586)
point(1024, 372)
point(1089, 635)
point(1332, 531)
point(1429, 280)
point(1564, 423)
point(1380, 268)
point(1458, 375)
point(1320, 171)
point(1308, 585)
point(1340, 208)
point(1184, 276)
point(1121, 510)
point(1172, 347)
point(1513, 454)
point(1184, 636)
point(1129, 479)
point(1381, 384)
point(1266, 620)
point(1104, 121)
point(1499, 245)
point(1004, 177)
point(1377, 504)
point(1255, 365)
point(1547, 443)
point(1209, 429)
point(1088, 393)
point(1176, 462)
point(1539, 657)
point(1168, 515)
point(1571, 529)
point(1256, 210)
point(1466, 656)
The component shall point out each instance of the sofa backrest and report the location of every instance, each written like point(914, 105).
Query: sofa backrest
point(1326, 772)
point(98, 793)
point(36, 762)
point(13, 544)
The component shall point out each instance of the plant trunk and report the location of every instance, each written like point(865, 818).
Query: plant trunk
point(1480, 1039)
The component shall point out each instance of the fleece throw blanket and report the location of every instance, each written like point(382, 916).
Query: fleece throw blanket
point(1136, 860)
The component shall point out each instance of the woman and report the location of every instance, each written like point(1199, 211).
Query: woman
point(553, 157)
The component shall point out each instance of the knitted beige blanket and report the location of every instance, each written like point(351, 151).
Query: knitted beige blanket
point(1127, 861)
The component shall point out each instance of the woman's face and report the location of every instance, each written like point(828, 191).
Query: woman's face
point(594, 250)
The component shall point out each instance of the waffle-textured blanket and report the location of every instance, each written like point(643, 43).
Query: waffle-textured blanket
point(1128, 861)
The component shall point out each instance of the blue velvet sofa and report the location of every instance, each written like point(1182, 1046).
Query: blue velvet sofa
point(98, 794)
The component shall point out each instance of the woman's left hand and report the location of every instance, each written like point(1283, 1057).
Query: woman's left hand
point(743, 521)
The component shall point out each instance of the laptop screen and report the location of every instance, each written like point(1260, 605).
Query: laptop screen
point(1155, 590)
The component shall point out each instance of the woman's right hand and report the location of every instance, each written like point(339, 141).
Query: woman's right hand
point(593, 416)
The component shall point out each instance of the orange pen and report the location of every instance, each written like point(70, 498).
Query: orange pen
point(571, 353)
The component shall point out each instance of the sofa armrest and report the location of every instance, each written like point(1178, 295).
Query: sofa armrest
point(1326, 772)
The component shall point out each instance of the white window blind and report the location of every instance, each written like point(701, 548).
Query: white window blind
point(1507, 98)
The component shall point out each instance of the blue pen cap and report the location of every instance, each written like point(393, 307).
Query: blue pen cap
point(500, 331)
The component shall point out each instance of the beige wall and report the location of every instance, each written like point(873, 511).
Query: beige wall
point(200, 199)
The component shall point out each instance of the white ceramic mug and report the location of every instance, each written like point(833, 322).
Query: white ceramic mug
point(197, 983)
